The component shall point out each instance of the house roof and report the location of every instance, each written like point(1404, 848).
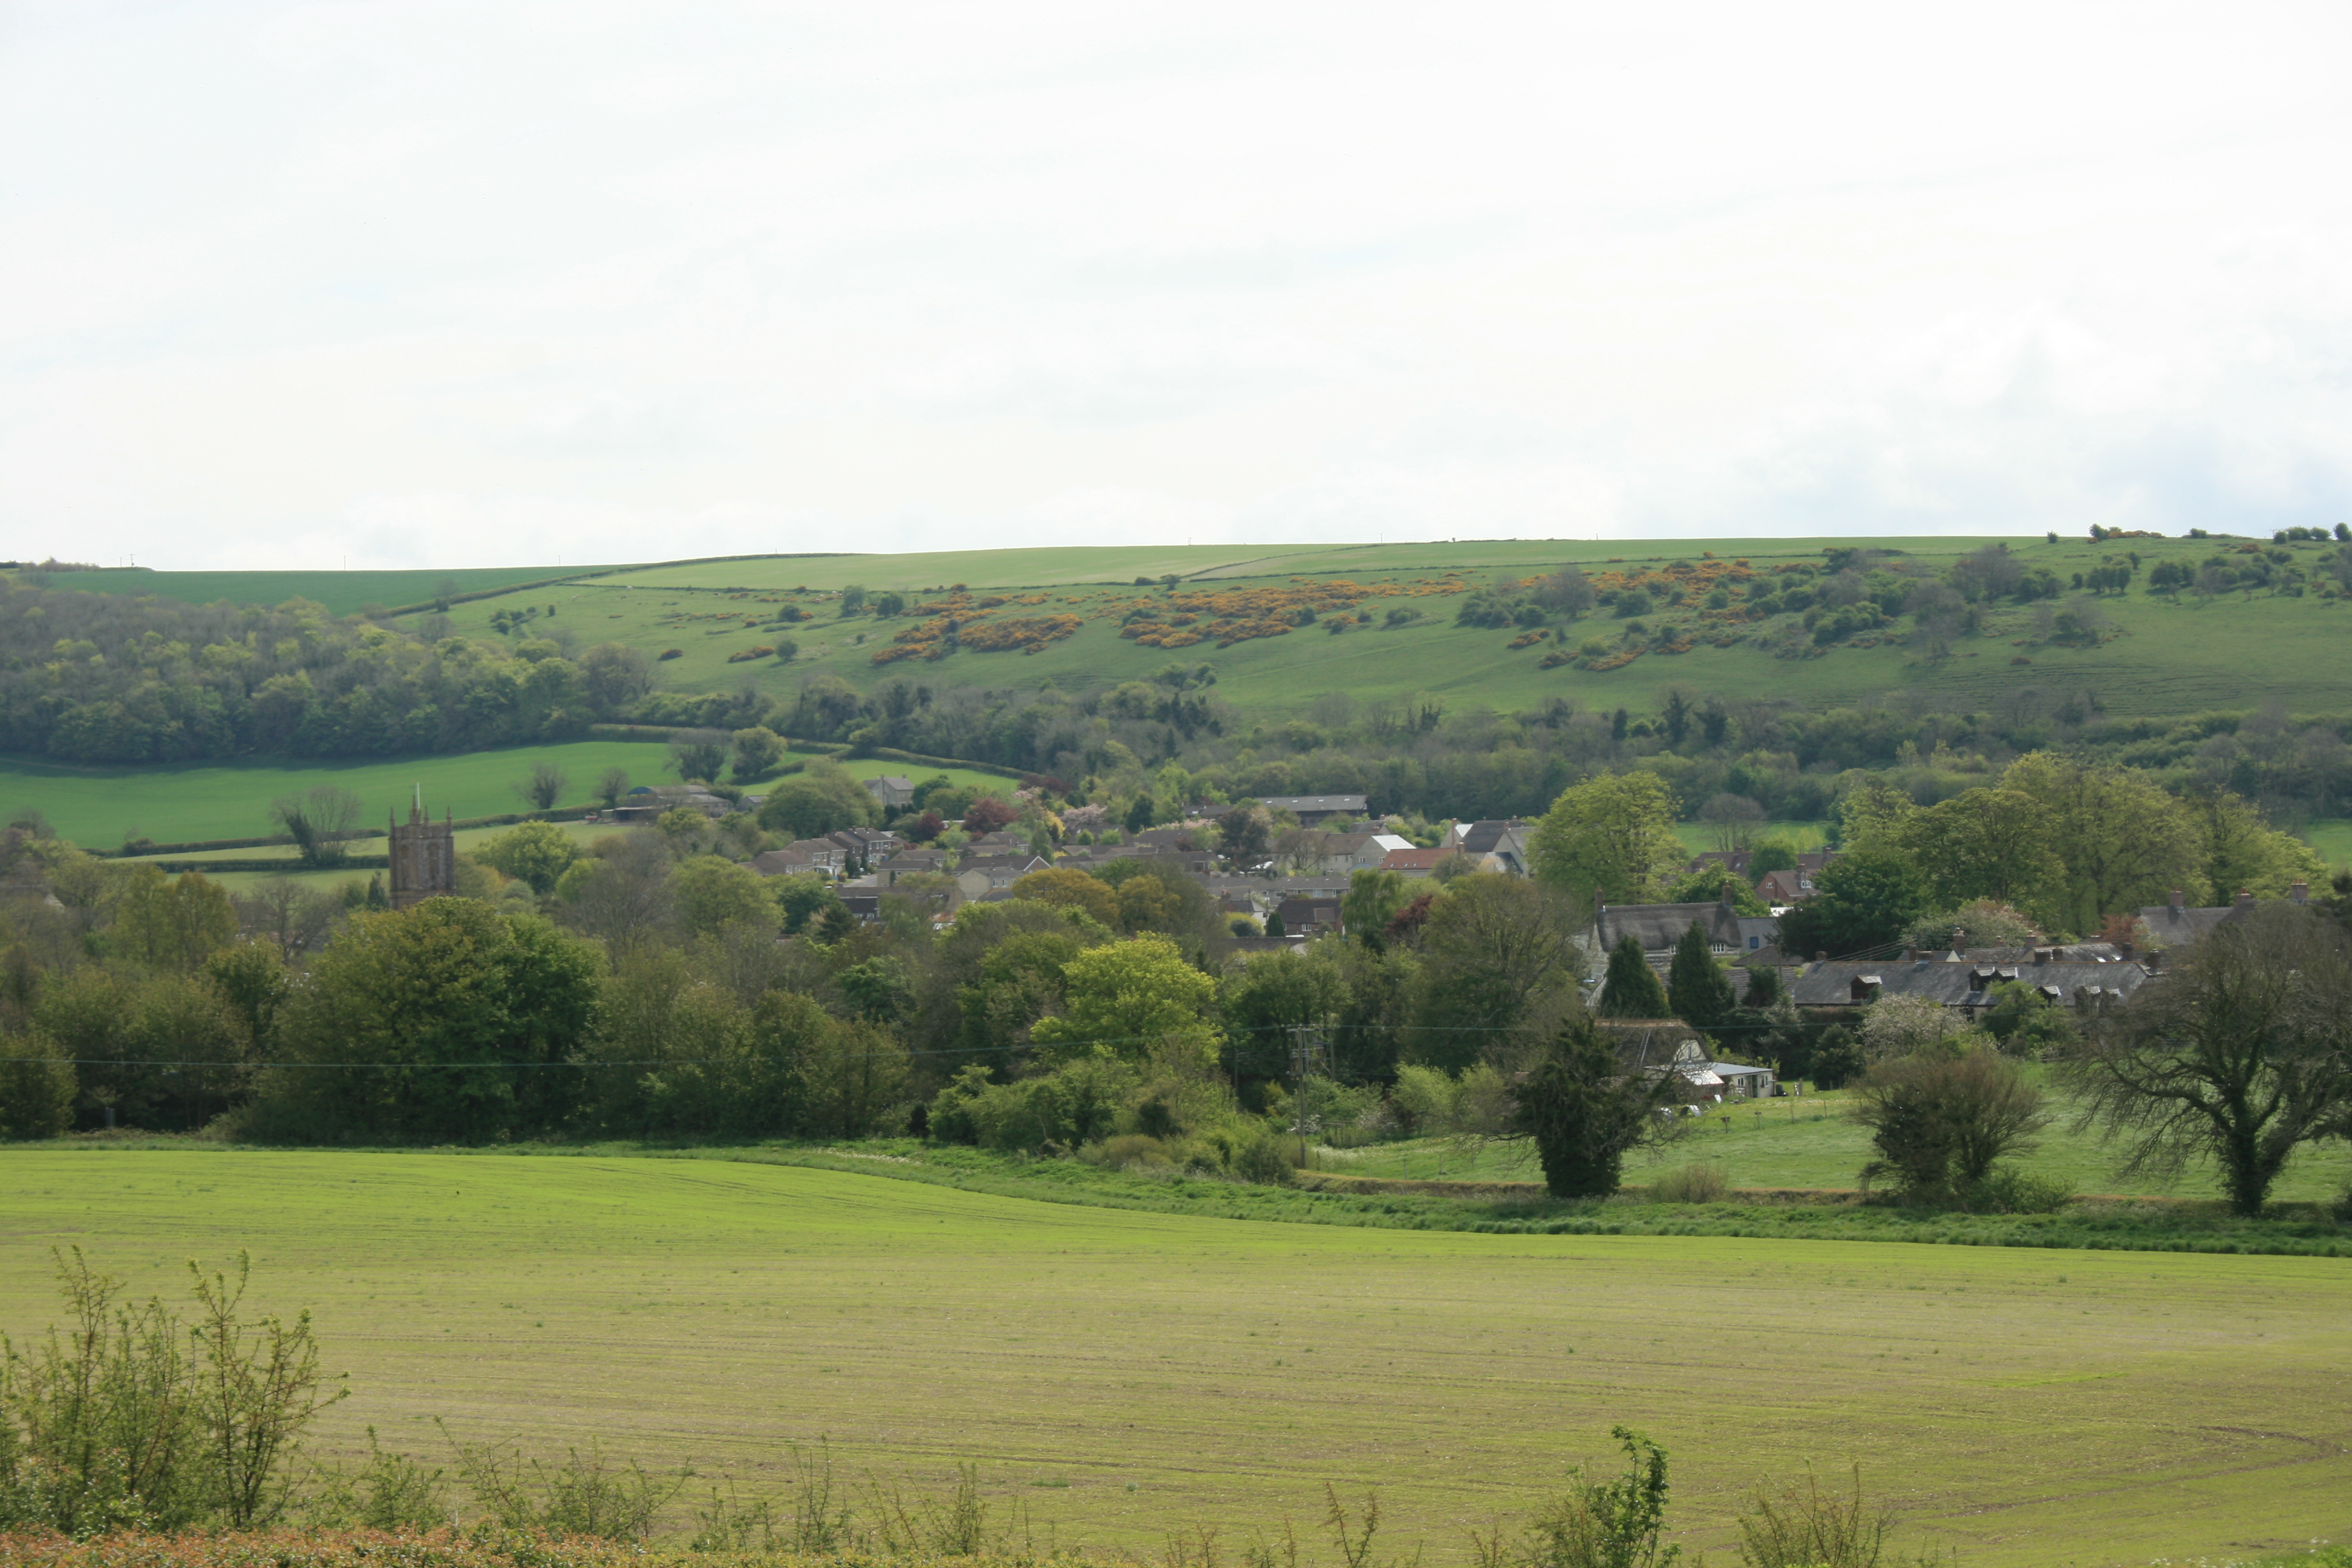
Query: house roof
point(1660, 926)
point(1324, 803)
point(1782, 887)
point(1955, 982)
point(1415, 859)
point(891, 781)
point(1482, 837)
point(2176, 926)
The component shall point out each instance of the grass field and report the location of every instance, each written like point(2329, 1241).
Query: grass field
point(1808, 1143)
point(1128, 1374)
point(344, 593)
point(99, 807)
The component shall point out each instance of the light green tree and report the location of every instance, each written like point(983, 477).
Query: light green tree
point(172, 922)
point(2126, 843)
point(710, 893)
point(1872, 810)
point(1126, 997)
point(822, 799)
point(1613, 837)
point(1996, 844)
point(538, 853)
point(2243, 850)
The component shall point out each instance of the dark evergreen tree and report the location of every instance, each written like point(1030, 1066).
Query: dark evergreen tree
point(1695, 986)
point(1631, 990)
point(1584, 1111)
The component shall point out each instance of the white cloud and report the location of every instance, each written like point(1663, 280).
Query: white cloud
point(422, 282)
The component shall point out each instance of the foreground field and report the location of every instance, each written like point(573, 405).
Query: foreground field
point(2029, 1407)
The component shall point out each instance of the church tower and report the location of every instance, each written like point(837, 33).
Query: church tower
point(424, 856)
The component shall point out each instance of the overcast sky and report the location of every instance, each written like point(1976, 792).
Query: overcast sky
point(418, 283)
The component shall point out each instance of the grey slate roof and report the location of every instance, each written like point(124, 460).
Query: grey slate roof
point(1847, 983)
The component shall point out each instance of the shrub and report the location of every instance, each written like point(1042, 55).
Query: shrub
point(1836, 1057)
point(1810, 1529)
point(1691, 1184)
point(1940, 1123)
point(36, 1087)
point(2008, 1190)
point(1607, 1524)
point(1265, 1160)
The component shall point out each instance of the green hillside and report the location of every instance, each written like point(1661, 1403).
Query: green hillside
point(2154, 655)
point(2158, 655)
point(344, 593)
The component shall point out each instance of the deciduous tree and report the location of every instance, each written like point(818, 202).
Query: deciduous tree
point(1611, 837)
point(2239, 1057)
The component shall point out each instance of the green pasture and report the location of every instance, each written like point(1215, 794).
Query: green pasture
point(2332, 837)
point(1067, 566)
point(1698, 837)
point(344, 593)
point(1126, 1375)
point(2162, 657)
point(99, 807)
point(1807, 1142)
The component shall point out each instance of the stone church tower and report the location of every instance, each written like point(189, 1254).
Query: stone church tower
point(424, 856)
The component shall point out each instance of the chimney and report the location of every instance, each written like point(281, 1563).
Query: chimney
point(2245, 898)
point(2179, 899)
point(1731, 896)
point(2299, 892)
point(1821, 956)
point(1959, 937)
point(2125, 949)
point(1913, 953)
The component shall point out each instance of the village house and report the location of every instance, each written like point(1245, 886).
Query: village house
point(1659, 927)
point(1306, 914)
point(1314, 810)
point(1506, 840)
point(1657, 1047)
point(910, 861)
point(1414, 863)
point(2174, 927)
point(894, 792)
point(646, 803)
point(800, 857)
point(978, 875)
point(1963, 983)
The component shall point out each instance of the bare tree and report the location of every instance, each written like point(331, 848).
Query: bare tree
point(611, 786)
point(544, 787)
point(2240, 1055)
point(318, 820)
point(294, 917)
point(1734, 819)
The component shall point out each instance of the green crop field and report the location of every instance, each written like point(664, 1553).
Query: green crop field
point(99, 807)
point(1129, 1375)
point(1808, 1143)
point(344, 593)
point(2162, 657)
